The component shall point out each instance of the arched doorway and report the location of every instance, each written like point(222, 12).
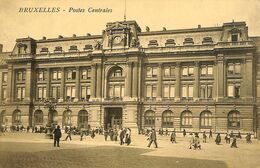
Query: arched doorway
point(38, 117)
point(149, 119)
point(53, 117)
point(167, 119)
point(2, 118)
point(16, 117)
point(66, 120)
point(83, 119)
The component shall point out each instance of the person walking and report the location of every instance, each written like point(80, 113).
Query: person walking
point(234, 142)
point(210, 134)
point(105, 134)
point(57, 136)
point(218, 139)
point(227, 138)
point(68, 135)
point(184, 133)
point(152, 139)
point(204, 137)
point(173, 137)
point(122, 136)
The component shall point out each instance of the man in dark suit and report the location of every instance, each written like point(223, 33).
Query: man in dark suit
point(152, 138)
point(57, 136)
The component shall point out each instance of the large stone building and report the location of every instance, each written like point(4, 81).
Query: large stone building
point(194, 79)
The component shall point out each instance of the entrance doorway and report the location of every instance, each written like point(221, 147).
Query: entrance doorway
point(113, 117)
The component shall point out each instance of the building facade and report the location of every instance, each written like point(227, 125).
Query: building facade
point(195, 79)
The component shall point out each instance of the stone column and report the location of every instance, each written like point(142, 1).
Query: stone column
point(62, 85)
point(93, 81)
point(129, 80)
point(159, 84)
point(1, 86)
point(177, 82)
point(99, 81)
point(249, 76)
point(48, 80)
point(196, 82)
point(135, 80)
point(77, 86)
point(28, 83)
point(221, 75)
point(10, 83)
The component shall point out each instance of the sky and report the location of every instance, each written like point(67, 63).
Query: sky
point(172, 14)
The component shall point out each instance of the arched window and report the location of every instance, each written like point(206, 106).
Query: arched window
point(149, 118)
point(66, 118)
point(205, 119)
point(116, 84)
point(53, 116)
point(38, 117)
point(82, 119)
point(2, 117)
point(186, 118)
point(167, 119)
point(234, 119)
point(16, 117)
point(116, 72)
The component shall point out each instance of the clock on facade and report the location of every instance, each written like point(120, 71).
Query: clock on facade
point(117, 40)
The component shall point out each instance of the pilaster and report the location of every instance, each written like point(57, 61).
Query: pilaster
point(62, 85)
point(196, 81)
point(135, 80)
point(159, 84)
point(99, 81)
point(10, 83)
point(28, 83)
point(178, 81)
point(77, 87)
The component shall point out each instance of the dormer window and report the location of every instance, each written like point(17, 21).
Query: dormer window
point(44, 50)
point(73, 48)
point(188, 41)
point(170, 42)
point(58, 49)
point(88, 47)
point(207, 40)
point(234, 37)
point(153, 43)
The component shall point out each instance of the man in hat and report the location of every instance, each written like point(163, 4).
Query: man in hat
point(57, 136)
point(152, 139)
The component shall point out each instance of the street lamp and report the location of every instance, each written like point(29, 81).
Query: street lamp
point(50, 104)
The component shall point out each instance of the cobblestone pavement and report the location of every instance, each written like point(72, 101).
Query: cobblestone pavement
point(20, 150)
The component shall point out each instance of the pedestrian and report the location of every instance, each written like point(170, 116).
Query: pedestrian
point(122, 136)
point(204, 137)
point(81, 135)
point(239, 135)
point(218, 139)
point(173, 137)
point(128, 136)
point(248, 138)
point(192, 140)
point(115, 135)
point(196, 142)
point(28, 128)
point(166, 132)
point(227, 138)
point(92, 135)
point(105, 134)
point(210, 134)
point(68, 135)
point(184, 133)
point(152, 139)
point(57, 136)
point(234, 142)
point(231, 134)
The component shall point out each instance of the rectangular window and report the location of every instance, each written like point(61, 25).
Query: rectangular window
point(83, 92)
point(237, 91)
point(237, 68)
point(184, 91)
point(4, 77)
point(234, 68)
point(185, 71)
point(190, 71)
point(210, 70)
point(203, 71)
point(84, 74)
point(20, 75)
point(190, 91)
point(59, 75)
point(148, 91)
point(172, 91)
point(151, 72)
point(117, 91)
point(154, 91)
point(4, 93)
point(166, 91)
point(71, 74)
point(169, 71)
point(206, 91)
point(54, 92)
point(230, 90)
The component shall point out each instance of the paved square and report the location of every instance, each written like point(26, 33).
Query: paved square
point(20, 150)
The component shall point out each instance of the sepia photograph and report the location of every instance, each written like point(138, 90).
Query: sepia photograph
point(129, 83)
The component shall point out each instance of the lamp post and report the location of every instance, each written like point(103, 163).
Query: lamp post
point(50, 104)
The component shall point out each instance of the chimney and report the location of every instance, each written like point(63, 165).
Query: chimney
point(74, 35)
point(44, 38)
point(88, 34)
point(60, 36)
point(1, 48)
point(199, 26)
point(164, 28)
